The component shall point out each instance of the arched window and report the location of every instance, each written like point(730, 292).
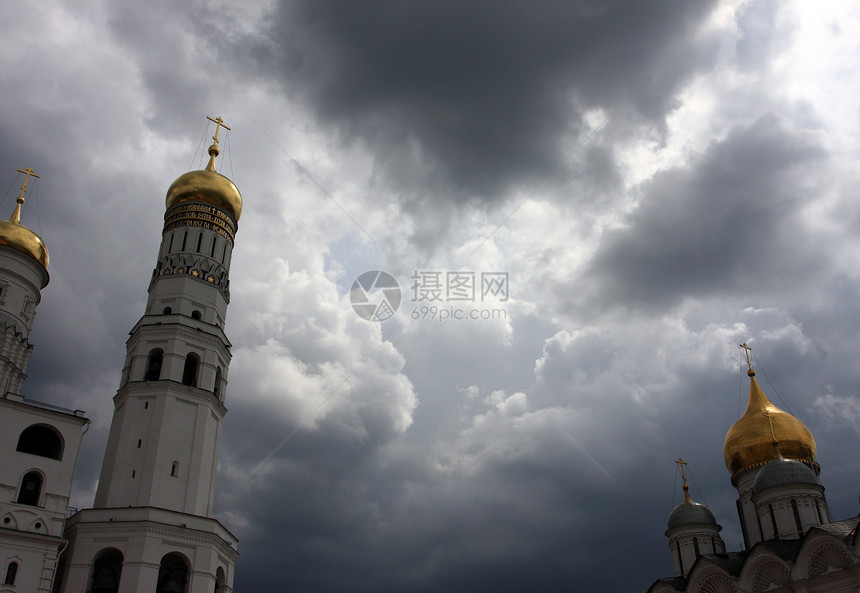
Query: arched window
point(189, 373)
point(195, 314)
point(31, 489)
point(217, 389)
point(107, 568)
point(153, 365)
point(219, 580)
point(12, 572)
point(41, 440)
point(172, 574)
point(167, 311)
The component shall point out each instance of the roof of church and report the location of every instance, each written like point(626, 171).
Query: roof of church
point(733, 563)
point(762, 431)
point(15, 235)
point(207, 186)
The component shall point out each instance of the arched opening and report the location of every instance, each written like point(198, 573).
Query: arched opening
point(31, 489)
point(153, 365)
point(107, 569)
point(167, 311)
point(41, 440)
point(189, 372)
point(220, 580)
point(12, 572)
point(195, 314)
point(174, 469)
point(172, 574)
point(217, 389)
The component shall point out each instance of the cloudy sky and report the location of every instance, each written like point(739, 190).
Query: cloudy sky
point(660, 181)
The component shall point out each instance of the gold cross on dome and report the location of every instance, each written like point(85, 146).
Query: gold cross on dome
point(682, 463)
point(16, 215)
point(747, 352)
point(219, 123)
point(29, 173)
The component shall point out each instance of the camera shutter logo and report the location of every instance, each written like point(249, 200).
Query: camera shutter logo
point(375, 295)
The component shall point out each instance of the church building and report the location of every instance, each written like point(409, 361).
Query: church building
point(791, 544)
point(39, 442)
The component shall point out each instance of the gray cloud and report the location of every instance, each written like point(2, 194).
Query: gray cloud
point(472, 98)
point(729, 223)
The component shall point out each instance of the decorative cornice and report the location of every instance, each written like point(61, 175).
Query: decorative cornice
point(162, 386)
point(168, 331)
point(194, 265)
point(184, 534)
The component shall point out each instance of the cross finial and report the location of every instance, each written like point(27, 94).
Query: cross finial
point(219, 123)
point(682, 463)
point(16, 215)
point(747, 349)
point(213, 150)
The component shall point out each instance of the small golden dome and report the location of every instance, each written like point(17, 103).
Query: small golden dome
point(15, 235)
point(753, 440)
point(208, 187)
point(20, 238)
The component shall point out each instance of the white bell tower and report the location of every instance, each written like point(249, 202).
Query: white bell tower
point(151, 527)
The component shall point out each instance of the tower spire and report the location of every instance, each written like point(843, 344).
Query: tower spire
point(16, 214)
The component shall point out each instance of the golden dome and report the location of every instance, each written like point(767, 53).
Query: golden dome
point(207, 187)
point(15, 235)
point(753, 439)
point(20, 238)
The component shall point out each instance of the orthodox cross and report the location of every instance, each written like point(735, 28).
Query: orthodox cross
point(28, 172)
point(219, 123)
point(682, 463)
point(747, 352)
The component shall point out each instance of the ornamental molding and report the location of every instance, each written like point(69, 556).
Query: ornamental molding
point(180, 535)
point(827, 558)
point(204, 216)
point(9, 326)
point(769, 574)
point(177, 331)
point(193, 265)
point(177, 390)
point(716, 583)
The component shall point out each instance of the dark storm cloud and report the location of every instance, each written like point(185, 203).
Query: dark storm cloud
point(483, 94)
point(727, 224)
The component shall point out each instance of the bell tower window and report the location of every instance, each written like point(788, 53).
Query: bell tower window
point(189, 372)
point(153, 365)
point(217, 390)
point(107, 569)
point(172, 574)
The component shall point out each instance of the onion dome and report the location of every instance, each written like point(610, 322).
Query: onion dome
point(15, 235)
point(207, 186)
point(690, 512)
point(751, 441)
point(782, 471)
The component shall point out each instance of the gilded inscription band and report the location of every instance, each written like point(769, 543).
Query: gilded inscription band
point(200, 215)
